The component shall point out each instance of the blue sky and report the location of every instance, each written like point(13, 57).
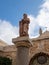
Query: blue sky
point(11, 12)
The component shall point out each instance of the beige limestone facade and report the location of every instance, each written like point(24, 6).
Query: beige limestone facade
point(8, 51)
point(2, 43)
point(35, 45)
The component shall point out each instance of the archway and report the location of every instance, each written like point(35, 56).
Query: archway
point(40, 59)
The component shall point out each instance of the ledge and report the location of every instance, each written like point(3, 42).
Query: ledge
point(22, 41)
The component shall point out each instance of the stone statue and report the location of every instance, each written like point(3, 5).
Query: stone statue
point(40, 31)
point(24, 26)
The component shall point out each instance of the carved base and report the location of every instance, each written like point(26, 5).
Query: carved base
point(22, 41)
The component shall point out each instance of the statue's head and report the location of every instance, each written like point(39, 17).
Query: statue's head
point(24, 16)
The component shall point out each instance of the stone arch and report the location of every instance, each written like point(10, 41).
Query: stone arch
point(36, 59)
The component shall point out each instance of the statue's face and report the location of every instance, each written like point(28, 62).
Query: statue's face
point(25, 16)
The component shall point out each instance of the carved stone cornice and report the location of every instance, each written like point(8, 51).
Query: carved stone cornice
point(22, 41)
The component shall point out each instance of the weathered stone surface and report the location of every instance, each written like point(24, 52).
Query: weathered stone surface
point(23, 56)
point(23, 45)
point(2, 43)
point(39, 44)
point(24, 26)
point(22, 41)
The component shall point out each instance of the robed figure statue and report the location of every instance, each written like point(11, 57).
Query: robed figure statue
point(24, 26)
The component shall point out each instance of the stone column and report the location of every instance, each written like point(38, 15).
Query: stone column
point(22, 45)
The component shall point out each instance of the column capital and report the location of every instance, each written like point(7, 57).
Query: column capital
point(22, 41)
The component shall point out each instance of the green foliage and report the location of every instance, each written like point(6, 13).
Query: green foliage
point(5, 61)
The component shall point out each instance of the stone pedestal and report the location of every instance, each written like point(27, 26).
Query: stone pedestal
point(22, 44)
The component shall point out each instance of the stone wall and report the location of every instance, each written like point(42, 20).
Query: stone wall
point(10, 52)
point(39, 44)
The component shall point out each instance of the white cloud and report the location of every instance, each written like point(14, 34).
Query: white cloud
point(41, 20)
point(43, 16)
point(33, 25)
point(7, 31)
